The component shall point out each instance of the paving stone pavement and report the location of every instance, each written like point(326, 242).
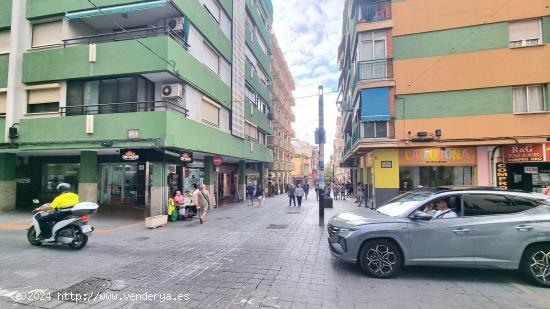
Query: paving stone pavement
point(235, 261)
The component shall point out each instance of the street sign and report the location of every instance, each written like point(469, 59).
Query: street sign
point(217, 160)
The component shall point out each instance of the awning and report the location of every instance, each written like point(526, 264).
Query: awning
point(117, 9)
point(375, 104)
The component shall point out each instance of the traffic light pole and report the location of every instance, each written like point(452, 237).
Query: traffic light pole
point(321, 141)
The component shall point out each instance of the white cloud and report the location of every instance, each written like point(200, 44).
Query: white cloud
point(309, 33)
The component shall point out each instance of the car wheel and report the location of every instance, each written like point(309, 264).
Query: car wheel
point(536, 265)
point(381, 258)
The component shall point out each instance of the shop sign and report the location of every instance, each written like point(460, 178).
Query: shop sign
point(547, 150)
point(186, 157)
point(129, 155)
point(438, 156)
point(502, 175)
point(23, 180)
point(524, 153)
point(217, 160)
point(531, 170)
point(386, 164)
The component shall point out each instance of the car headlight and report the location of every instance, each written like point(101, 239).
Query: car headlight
point(351, 229)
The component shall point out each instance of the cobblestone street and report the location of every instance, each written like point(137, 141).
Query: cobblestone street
point(273, 256)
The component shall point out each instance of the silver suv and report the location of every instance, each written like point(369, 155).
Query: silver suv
point(448, 226)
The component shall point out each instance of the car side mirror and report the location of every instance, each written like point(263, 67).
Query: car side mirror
point(420, 215)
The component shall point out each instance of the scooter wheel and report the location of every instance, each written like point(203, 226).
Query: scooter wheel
point(80, 239)
point(31, 237)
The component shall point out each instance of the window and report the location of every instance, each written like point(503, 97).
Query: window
point(104, 96)
point(373, 46)
point(41, 100)
point(261, 138)
point(213, 9)
point(250, 95)
point(525, 33)
point(3, 101)
point(528, 99)
point(5, 41)
point(210, 112)
point(211, 58)
point(55, 174)
point(47, 34)
point(487, 204)
point(375, 129)
point(250, 132)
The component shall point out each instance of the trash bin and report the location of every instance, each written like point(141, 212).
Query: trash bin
point(327, 202)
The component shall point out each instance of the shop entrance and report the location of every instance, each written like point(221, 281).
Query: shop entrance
point(122, 184)
point(433, 176)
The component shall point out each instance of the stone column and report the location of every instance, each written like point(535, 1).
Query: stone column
point(7, 181)
point(242, 184)
point(209, 179)
point(87, 178)
point(159, 190)
point(262, 176)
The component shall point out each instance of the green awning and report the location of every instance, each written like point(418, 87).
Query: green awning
point(117, 9)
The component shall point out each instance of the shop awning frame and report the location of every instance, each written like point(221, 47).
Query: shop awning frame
point(126, 8)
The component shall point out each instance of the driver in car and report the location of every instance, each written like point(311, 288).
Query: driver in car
point(442, 210)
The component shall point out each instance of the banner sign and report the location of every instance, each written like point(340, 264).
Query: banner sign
point(502, 175)
point(438, 156)
point(524, 153)
point(186, 157)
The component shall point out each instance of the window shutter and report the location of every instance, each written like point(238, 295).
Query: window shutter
point(47, 34)
point(212, 60)
point(525, 30)
point(210, 113)
point(3, 101)
point(5, 41)
point(39, 96)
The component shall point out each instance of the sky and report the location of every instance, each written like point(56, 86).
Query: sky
point(309, 33)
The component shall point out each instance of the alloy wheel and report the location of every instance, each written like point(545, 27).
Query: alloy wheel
point(540, 265)
point(381, 260)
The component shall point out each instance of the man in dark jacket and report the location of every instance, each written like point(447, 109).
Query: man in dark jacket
point(291, 196)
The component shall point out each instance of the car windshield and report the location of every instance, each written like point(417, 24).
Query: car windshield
point(402, 204)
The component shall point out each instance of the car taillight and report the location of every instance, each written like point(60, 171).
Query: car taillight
point(85, 218)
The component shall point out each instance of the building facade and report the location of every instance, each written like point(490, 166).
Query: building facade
point(439, 98)
point(281, 88)
point(129, 101)
point(340, 174)
point(305, 163)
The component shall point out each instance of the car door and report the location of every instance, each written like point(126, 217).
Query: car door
point(501, 228)
point(442, 242)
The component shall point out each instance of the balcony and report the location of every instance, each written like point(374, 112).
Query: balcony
point(375, 69)
point(273, 141)
point(372, 12)
point(126, 107)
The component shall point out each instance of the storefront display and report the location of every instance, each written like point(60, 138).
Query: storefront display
point(527, 167)
point(430, 167)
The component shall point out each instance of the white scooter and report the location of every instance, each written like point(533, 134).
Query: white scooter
point(73, 230)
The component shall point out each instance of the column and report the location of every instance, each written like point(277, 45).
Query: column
point(209, 179)
point(262, 176)
point(242, 184)
point(7, 181)
point(159, 189)
point(276, 180)
point(87, 178)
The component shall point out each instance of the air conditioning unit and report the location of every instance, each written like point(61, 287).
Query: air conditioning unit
point(175, 23)
point(172, 91)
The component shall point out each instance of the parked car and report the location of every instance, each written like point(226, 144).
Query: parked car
point(481, 228)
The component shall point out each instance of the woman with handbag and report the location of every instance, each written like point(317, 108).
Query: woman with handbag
point(204, 203)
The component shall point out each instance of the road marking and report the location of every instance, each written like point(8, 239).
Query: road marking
point(15, 225)
point(532, 294)
point(100, 231)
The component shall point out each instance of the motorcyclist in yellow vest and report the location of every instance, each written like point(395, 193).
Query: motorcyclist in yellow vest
point(65, 199)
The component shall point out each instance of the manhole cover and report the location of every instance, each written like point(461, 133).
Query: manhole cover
point(293, 212)
point(277, 226)
point(141, 238)
point(83, 288)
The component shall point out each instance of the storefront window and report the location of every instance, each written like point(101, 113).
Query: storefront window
point(433, 176)
point(55, 174)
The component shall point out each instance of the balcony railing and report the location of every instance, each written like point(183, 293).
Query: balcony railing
point(374, 11)
point(128, 35)
point(375, 69)
point(126, 107)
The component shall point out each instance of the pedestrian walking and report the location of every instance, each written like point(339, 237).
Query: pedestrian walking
point(291, 196)
point(204, 202)
point(306, 190)
point(350, 190)
point(360, 194)
point(250, 194)
point(299, 195)
point(343, 192)
point(260, 195)
point(317, 191)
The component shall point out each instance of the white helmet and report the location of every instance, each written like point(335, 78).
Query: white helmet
point(63, 187)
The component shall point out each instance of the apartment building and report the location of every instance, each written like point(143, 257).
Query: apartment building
point(283, 117)
point(340, 174)
point(442, 92)
point(305, 163)
point(129, 101)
